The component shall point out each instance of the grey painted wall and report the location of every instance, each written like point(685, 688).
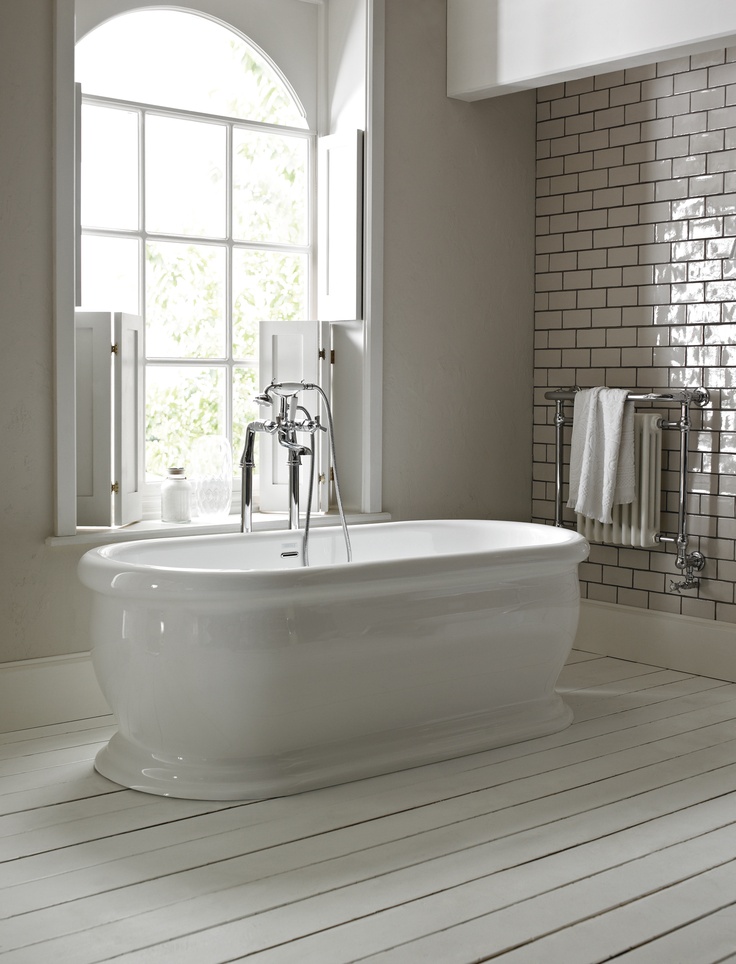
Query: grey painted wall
point(40, 604)
point(457, 347)
point(458, 309)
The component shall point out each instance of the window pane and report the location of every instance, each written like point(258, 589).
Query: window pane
point(109, 168)
point(185, 300)
point(183, 60)
point(182, 404)
point(269, 187)
point(267, 286)
point(185, 177)
point(110, 274)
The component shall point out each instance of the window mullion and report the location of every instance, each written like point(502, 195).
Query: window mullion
point(183, 114)
point(142, 225)
point(312, 215)
point(229, 407)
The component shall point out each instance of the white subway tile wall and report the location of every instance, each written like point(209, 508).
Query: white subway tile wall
point(636, 288)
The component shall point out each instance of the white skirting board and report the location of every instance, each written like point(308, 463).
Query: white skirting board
point(684, 643)
point(60, 689)
point(56, 689)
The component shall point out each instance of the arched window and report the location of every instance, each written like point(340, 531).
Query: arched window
point(228, 95)
point(196, 212)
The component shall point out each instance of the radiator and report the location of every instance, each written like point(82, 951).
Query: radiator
point(638, 523)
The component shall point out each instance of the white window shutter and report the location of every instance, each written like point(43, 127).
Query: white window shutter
point(340, 226)
point(128, 460)
point(93, 343)
point(289, 351)
point(77, 194)
point(109, 419)
point(324, 380)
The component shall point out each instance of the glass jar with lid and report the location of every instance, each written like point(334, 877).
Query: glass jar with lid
point(176, 496)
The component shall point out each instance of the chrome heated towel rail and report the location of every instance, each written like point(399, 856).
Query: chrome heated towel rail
point(686, 562)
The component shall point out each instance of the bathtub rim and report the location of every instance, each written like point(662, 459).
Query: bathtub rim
point(106, 570)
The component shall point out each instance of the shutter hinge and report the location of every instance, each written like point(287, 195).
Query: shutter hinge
point(115, 488)
point(114, 349)
point(323, 354)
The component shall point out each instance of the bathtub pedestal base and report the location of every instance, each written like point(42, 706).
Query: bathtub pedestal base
point(130, 765)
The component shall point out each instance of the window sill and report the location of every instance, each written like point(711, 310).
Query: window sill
point(154, 529)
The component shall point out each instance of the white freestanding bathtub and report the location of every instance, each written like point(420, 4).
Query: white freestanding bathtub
point(236, 673)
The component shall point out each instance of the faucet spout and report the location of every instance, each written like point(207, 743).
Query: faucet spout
point(247, 464)
point(294, 446)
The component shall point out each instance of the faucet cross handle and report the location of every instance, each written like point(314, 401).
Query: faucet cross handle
point(309, 424)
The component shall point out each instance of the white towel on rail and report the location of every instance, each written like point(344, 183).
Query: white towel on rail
point(602, 454)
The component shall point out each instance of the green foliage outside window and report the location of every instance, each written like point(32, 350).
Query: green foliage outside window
point(186, 286)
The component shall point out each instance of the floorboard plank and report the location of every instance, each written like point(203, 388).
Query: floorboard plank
point(48, 760)
point(602, 671)
point(51, 778)
point(637, 921)
point(216, 910)
point(528, 902)
point(572, 923)
point(410, 921)
point(124, 812)
point(616, 833)
point(85, 786)
point(600, 702)
point(58, 741)
point(382, 846)
point(708, 940)
point(53, 729)
point(509, 783)
point(580, 655)
point(232, 844)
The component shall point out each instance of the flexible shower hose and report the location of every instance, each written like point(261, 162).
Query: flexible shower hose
point(308, 519)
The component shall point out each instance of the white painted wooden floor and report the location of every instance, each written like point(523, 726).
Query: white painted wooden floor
point(615, 839)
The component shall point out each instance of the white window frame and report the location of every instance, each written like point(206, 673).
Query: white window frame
point(364, 337)
point(151, 489)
